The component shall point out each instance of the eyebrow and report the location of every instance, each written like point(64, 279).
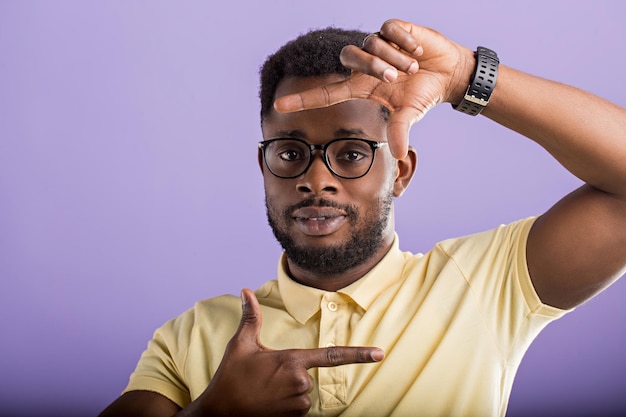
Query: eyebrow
point(339, 133)
point(349, 132)
point(290, 134)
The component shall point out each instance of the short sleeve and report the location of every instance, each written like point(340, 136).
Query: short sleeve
point(161, 366)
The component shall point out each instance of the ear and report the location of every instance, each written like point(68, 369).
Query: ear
point(404, 172)
point(260, 160)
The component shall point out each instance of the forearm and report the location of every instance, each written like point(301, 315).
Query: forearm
point(585, 133)
point(192, 410)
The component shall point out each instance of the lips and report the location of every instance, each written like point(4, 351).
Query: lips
point(318, 221)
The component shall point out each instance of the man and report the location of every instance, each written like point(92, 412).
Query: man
point(353, 326)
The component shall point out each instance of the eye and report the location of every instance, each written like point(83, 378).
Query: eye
point(353, 156)
point(290, 155)
point(351, 151)
point(289, 151)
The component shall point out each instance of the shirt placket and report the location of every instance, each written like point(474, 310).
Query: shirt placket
point(333, 332)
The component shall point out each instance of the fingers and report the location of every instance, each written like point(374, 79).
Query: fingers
point(340, 355)
point(376, 63)
point(384, 53)
point(250, 328)
point(402, 34)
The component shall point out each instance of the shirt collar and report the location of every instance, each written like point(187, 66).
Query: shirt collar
point(302, 302)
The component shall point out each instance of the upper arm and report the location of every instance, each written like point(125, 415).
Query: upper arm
point(578, 247)
point(141, 404)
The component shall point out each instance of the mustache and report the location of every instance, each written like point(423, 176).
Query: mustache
point(349, 209)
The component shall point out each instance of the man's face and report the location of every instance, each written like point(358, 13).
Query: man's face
point(326, 224)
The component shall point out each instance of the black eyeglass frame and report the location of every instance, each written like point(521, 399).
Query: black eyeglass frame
point(374, 145)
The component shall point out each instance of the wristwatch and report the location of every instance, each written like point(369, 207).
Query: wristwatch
point(482, 83)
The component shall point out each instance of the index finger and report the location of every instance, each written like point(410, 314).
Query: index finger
point(358, 86)
point(340, 355)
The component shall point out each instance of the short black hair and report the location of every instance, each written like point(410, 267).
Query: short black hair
point(312, 54)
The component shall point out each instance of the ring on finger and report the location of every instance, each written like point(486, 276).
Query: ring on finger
point(370, 36)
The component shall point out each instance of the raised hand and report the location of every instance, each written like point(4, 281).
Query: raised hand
point(253, 380)
point(405, 67)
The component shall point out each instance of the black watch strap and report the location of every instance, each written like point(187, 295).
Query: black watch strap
point(482, 84)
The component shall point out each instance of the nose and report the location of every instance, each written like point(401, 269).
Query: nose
point(318, 179)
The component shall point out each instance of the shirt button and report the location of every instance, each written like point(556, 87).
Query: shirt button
point(332, 306)
point(330, 345)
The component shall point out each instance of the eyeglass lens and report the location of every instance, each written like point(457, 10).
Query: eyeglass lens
point(347, 158)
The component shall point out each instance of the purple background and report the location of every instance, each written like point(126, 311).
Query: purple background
point(129, 187)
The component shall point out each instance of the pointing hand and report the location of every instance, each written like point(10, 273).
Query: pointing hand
point(253, 380)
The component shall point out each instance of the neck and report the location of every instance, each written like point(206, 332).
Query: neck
point(336, 282)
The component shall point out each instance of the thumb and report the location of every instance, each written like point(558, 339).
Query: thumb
point(398, 127)
point(250, 324)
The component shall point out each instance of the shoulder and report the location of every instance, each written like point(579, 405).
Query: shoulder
point(218, 312)
point(504, 239)
point(485, 257)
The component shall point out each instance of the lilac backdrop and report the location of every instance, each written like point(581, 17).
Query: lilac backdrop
point(129, 187)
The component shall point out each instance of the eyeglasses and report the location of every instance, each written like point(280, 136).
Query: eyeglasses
point(346, 158)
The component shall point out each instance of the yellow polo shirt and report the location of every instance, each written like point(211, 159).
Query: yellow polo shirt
point(454, 324)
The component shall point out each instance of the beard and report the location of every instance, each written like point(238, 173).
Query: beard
point(365, 240)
